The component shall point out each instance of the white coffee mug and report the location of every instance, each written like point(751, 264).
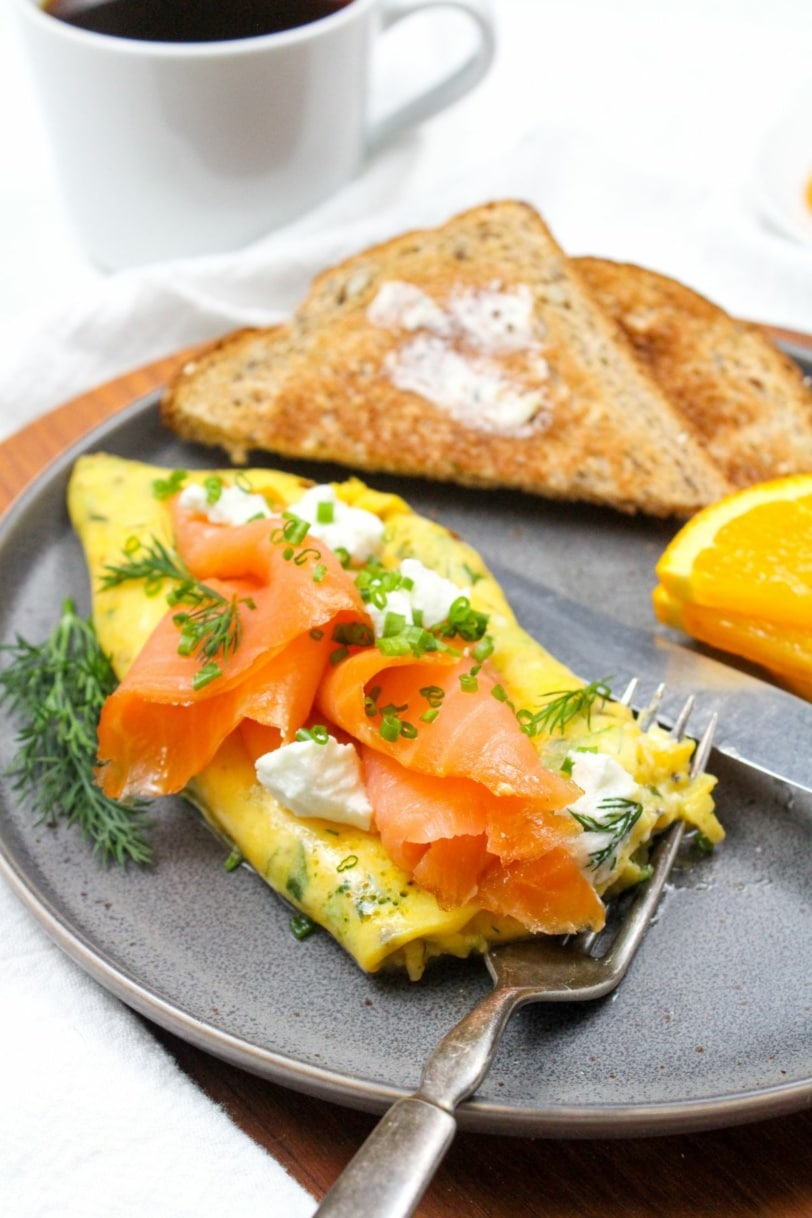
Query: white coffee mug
point(165, 150)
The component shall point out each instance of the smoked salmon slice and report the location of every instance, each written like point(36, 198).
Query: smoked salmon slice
point(463, 843)
point(228, 552)
point(149, 745)
point(474, 735)
point(451, 869)
point(157, 730)
point(549, 894)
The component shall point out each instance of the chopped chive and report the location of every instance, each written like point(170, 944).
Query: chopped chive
point(395, 646)
point(154, 585)
point(294, 529)
point(234, 859)
point(164, 488)
point(319, 572)
point(208, 673)
point(390, 728)
point(318, 734)
point(433, 694)
point(348, 863)
point(213, 486)
point(325, 512)
point(393, 624)
point(355, 634)
point(301, 926)
point(703, 843)
point(483, 649)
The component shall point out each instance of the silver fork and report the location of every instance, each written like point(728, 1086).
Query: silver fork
point(391, 1171)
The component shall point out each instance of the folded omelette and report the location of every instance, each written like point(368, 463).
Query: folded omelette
point(340, 687)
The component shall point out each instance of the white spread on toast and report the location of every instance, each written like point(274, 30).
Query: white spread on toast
point(403, 306)
point(452, 360)
point(472, 389)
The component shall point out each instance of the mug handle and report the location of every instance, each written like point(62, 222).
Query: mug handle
point(446, 91)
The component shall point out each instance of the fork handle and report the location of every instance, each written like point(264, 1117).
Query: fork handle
point(393, 1168)
point(389, 1174)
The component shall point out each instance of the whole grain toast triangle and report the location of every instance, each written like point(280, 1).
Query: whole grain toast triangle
point(488, 363)
point(745, 400)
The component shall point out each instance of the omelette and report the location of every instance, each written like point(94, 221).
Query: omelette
point(339, 686)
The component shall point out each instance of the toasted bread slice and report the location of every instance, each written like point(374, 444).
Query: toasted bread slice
point(469, 353)
point(746, 400)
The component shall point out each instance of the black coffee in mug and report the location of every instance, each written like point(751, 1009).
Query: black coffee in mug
point(191, 20)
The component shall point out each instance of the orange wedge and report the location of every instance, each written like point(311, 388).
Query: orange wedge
point(785, 650)
point(749, 553)
point(739, 577)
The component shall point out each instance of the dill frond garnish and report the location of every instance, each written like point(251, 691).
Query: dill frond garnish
point(621, 815)
point(563, 706)
point(153, 563)
point(56, 689)
point(210, 625)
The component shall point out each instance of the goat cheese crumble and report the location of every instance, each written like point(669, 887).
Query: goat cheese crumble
point(430, 596)
point(606, 787)
point(233, 505)
point(338, 525)
point(314, 779)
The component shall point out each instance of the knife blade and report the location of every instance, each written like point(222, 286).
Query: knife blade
point(759, 725)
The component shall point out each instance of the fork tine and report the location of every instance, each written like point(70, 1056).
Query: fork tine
point(683, 717)
point(664, 856)
point(629, 692)
point(649, 714)
point(635, 924)
point(704, 746)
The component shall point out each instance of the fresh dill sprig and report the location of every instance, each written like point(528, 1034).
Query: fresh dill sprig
point(210, 626)
point(154, 563)
point(621, 817)
point(563, 706)
point(56, 689)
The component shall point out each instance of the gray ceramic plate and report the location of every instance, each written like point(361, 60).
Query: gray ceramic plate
point(710, 1027)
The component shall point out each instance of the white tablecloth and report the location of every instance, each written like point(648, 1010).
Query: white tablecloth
point(634, 128)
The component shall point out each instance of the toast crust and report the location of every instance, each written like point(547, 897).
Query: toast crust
point(746, 401)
